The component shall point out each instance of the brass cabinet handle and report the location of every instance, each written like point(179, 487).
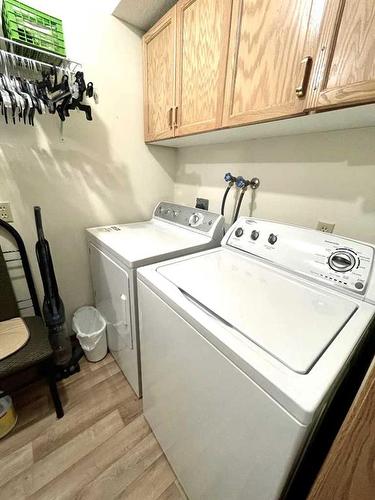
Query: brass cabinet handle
point(170, 117)
point(175, 116)
point(305, 71)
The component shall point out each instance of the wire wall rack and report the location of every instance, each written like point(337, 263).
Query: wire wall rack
point(35, 82)
point(16, 54)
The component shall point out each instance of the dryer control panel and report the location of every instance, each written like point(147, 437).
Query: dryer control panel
point(189, 217)
point(333, 260)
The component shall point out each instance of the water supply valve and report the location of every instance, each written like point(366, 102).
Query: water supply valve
point(228, 177)
point(243, 183)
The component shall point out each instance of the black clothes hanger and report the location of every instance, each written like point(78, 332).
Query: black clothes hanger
point(58, 91)
point(76, 97)
point(90, 89)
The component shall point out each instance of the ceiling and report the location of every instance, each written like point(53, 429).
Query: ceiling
point(142, 13)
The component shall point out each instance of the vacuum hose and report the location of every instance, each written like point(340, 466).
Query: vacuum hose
point(53, 307)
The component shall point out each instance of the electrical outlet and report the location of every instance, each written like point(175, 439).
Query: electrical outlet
point(325, 227)
point(5, 211)
point(201, 203)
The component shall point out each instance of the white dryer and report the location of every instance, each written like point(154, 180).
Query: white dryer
point(117, 251)
point(243, 348)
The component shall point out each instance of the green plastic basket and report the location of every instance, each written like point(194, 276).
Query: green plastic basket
point(32, 27)
point(11, 18)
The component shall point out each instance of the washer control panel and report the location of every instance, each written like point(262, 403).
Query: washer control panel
point(189, 217)
point(334, 260)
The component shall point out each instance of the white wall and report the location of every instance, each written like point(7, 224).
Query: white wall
point(95, 176)
point(324, 176)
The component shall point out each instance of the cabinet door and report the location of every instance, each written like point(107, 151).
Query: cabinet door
point(159, 51)
point(202, 48)
point(347, 71)
point(272, 47)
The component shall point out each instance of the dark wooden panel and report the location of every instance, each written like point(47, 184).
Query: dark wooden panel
point(348, 472)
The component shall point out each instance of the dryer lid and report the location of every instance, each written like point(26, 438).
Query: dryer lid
point(142, 243)
point(292, 321)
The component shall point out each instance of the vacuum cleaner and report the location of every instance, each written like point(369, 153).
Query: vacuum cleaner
point(65, 359)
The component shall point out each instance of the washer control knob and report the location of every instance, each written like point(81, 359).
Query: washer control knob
point(196, 220)
point(272, 238)
point(254, 234)
point(239, 232)
point(359, 285)
point(341, 261)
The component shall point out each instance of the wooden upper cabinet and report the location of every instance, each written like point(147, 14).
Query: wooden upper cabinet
point(202, 47)
point(159, 77)
point(347, 69)
point(272, 48)
point(211, 64)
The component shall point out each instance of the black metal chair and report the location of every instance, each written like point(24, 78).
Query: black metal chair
point(37, 351)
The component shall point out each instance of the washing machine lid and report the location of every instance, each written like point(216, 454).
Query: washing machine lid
point(294, 322)
point(147, 242)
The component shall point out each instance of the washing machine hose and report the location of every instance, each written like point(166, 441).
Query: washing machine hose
point(238, 207)
point(225, 198)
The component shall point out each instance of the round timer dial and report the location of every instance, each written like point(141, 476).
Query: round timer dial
point(196, 219)
point(342, 261)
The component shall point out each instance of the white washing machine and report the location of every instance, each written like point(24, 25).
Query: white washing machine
point(117, 251)
point(243, 348)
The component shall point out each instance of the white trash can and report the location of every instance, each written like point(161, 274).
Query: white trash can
point(90, 327)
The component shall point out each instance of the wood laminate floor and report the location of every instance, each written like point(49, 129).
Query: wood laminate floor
point(101, 449)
